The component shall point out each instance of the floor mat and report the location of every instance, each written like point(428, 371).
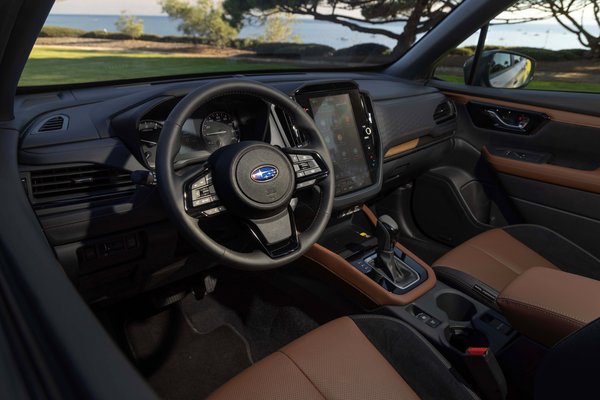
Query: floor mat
point(265, 326)
point(181, 363)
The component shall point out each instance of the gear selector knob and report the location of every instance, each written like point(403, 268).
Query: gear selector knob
point(386, 232)
point(386, 263)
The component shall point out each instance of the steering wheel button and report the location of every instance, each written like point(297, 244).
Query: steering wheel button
point(199, 183)
point(305, 184)
point(212, 211)
point(294, 158)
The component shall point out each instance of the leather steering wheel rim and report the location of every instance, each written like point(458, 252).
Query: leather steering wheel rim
point(170, 185)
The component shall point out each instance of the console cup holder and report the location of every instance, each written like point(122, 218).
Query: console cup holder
point(461, 338)
point(456, 306)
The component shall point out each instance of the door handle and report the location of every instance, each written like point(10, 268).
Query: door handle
point(521, 126)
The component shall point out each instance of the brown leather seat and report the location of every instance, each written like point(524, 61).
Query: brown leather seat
point(363, 357)
point(484, 265)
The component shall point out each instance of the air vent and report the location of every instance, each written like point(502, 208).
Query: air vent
point(78, 183)
point(444, 112)
point(56, 123)
point(295, 137)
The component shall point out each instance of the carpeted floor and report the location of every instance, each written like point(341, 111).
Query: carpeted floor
point(182, 363)
point(194, 346)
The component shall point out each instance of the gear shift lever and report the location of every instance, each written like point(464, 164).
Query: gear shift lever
point(386, 263)
point(386, 231)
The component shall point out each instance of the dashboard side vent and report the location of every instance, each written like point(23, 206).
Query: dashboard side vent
point(78, 183)
point(444, 112)
point(56, 123)
point(295, 136)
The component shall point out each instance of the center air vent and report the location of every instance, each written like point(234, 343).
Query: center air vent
point(444, 112)
point(56, 123)
point(77, 183)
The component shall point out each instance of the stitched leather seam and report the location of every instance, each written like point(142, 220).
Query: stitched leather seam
point(302, 372)
point(507, 265)
point(566, 317)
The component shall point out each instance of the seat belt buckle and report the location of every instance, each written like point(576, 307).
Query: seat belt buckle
point(486, 372)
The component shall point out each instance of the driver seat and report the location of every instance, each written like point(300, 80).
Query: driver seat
point(359, 357)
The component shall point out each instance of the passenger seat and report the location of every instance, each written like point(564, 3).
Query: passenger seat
point(485, 264)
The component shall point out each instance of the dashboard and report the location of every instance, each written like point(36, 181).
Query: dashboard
point(112, 235)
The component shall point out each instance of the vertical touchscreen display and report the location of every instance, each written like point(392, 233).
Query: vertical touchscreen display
point(334, 117)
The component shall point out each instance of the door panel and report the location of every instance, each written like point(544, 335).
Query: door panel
point(550, 174)
point(502, 160)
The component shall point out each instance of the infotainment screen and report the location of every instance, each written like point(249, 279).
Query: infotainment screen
point(334, 117)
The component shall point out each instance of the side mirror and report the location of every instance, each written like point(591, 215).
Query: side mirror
point(501, 69)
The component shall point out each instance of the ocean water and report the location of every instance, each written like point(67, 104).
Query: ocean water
point(544, 35)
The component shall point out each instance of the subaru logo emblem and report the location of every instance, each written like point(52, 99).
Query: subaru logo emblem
point(264, 173)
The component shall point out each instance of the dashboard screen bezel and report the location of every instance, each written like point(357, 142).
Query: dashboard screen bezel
point(362, 121)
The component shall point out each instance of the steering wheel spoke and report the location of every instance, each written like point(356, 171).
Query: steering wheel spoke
point(309, 167)
point(199, 195)
point(276, 235)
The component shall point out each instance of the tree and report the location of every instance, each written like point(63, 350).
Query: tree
point(569, 14)
point(202, 20)
point(366, 16)
point(130, 25)
point(278, 29)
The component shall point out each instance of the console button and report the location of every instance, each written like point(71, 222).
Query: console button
point(432, 322)
point(423, 317)
point(131, 241)
point(90, 253)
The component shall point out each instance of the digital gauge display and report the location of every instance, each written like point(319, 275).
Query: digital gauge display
point(220, 129)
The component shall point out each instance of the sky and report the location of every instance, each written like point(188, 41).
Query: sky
point(151, 7)
point(112, 7)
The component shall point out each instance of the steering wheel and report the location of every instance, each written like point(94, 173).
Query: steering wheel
point(254, 181)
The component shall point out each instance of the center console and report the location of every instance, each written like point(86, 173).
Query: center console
point(360, 250)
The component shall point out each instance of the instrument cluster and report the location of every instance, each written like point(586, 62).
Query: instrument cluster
point(221, 122)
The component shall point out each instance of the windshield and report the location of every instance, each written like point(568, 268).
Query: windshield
point(107, 40)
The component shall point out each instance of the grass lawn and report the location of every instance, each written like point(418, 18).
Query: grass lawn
point(52, 65)
point(540, 85)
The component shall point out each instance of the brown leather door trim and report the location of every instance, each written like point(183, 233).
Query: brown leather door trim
point(569, 177)
point(566, 117)
point(401, 148)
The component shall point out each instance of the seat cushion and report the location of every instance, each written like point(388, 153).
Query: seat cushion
point(495, 258)
point(338, 361)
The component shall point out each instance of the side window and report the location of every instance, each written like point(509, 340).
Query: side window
point(542, 45)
